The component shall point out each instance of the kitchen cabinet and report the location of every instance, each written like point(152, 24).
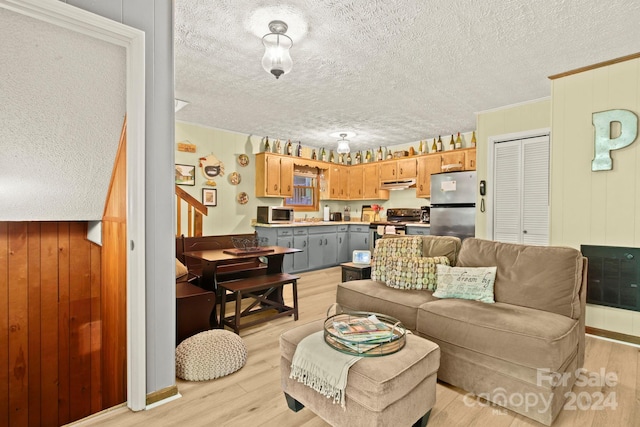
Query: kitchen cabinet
point(274, 175)
point(407, 168)
point(343, 244)
point(427, 165)
point(398, 169)
point(338, 185)
point(470, 160)
point(285, 239)
point(454, 157)
point(323, 246)
point(358, 238)
point(389, 170)
point(371, 183)
point(300, 241)
point(355, 182)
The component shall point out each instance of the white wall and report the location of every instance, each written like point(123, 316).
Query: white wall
point(58, 144)
point(603, 207)
point(511, 119)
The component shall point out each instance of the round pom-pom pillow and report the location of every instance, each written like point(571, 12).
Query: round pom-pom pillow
point(210, 354)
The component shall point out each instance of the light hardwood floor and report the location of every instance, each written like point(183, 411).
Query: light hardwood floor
point(252, 396)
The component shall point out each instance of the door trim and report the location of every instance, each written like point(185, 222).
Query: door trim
point(86, 23)
point(491, 142)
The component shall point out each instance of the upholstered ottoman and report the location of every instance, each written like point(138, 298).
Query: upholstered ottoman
point(398, 389)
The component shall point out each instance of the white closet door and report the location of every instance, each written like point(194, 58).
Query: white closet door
point(535, 188)
point(521, 202)
point(507, 225)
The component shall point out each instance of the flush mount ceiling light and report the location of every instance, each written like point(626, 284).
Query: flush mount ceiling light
point(343, 144)
point(276, 59)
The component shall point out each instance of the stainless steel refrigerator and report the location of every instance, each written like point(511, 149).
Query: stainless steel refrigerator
point(453, 204)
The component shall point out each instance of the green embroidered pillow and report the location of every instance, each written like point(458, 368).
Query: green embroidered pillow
point(413, 272)
point(473, 283)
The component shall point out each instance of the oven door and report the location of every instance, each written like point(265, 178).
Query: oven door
point(374, 235)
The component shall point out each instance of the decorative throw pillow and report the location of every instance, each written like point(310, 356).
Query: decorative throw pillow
point(413, 272)
point(473, 283)
point(181, 270)
point(393, 248)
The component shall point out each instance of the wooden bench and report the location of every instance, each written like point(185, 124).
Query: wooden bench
point(259, 288)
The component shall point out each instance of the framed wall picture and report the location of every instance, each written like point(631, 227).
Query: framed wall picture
point(185, 174)
point(210, 197)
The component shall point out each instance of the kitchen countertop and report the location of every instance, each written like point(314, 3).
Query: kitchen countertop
point(318, 223)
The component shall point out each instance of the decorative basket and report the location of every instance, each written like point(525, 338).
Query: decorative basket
point(247, 244)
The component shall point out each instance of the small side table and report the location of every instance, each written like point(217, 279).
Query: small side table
point(352, 271)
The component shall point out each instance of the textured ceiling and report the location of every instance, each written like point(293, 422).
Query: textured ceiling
point(393, 72)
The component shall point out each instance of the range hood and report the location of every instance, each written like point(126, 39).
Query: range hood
point(398, 185)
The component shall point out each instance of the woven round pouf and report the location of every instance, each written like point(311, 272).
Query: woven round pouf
point(210, 354)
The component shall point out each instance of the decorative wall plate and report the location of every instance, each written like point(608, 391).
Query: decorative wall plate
point(243, 198)
point(234, 178)
point(243, 160)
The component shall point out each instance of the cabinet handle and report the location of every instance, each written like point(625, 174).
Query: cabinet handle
point(401, 171)
point(288, 244)
point(320, 242)
point(340, 241)
point(304, 244)
point(325, 241)
point(393, 171)
point(365, 240)
point(275, 187)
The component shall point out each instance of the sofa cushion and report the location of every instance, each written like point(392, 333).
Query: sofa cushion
point(393, 248)
point(181, 270)
point(521, 335)
point(376, 297)
point(542, 277)
point(412, 272)
point(474, 283)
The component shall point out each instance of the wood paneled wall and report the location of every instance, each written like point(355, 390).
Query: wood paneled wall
point(50, 323)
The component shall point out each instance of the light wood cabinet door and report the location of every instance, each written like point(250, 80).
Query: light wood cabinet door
point(389, 171)
point(356, 182)
point(334, 182)
point(470, 160)
point(286, 177)
point(344, 183)
point(407, 168)
point(272, 174)
point(427, 165)
point(455, 157)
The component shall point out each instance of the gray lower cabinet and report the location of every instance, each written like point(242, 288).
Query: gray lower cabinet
point(323, 246)
point(358, 238)
point(301, 241)
point(421, 231)
point(285, 239)
point(343, 248)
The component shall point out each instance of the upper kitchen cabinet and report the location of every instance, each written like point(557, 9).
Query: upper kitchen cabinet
point(274, 175)
point(356, 182)
point(427, 165)
point(336, 183)
point(371, 185)
point(455, 157)
point(398, 169)
point(470, 160)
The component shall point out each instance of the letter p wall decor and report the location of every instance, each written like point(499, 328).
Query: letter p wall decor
point(603, 141)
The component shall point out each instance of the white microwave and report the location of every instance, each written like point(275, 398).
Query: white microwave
point(274, 214)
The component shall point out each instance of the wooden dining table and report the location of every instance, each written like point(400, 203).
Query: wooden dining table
point(216, 260)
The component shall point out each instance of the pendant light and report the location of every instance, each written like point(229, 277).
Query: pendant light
point(343, 145)
point(276, 59)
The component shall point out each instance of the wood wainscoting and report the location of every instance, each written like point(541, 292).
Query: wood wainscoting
point(50, 320)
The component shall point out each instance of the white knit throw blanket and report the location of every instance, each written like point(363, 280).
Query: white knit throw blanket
point(324, 369)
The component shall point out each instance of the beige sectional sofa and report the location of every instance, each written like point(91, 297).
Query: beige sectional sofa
point(510, 351)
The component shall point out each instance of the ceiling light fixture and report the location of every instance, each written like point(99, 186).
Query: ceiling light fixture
point(343, 144)
point(276, 59)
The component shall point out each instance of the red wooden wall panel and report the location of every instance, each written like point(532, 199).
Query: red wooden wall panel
point(50, 316)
